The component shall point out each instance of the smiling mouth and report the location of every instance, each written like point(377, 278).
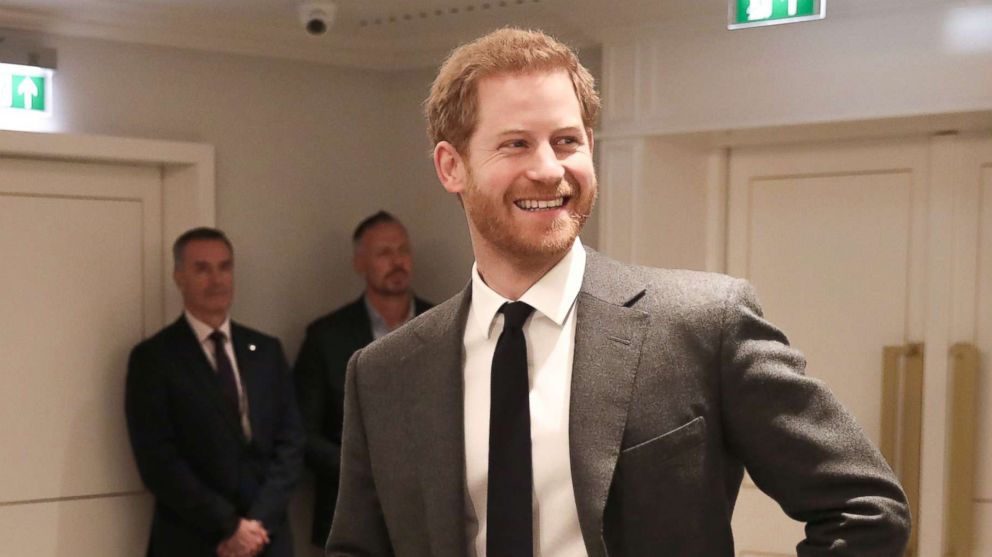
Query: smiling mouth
point(541, 204)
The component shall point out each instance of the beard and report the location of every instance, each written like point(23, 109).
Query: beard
point(492, 218)
point(394, 283)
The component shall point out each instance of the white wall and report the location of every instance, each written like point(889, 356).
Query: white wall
point(886, 58)
point(303, 151)
point(682, 91)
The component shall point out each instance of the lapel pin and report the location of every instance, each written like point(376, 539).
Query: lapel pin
point(251, 347)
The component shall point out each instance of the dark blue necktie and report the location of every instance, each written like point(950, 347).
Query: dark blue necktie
point(509, 513)
point(225, 372)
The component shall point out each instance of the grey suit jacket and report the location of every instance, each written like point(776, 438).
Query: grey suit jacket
point(678, 385)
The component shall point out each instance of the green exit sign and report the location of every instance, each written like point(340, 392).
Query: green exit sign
point(754, 13)
point(25, 89)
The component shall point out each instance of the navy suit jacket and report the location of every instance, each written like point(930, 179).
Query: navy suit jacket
point(191, 451)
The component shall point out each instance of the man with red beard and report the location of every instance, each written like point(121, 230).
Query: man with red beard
point(383, 258)
point(565, 404)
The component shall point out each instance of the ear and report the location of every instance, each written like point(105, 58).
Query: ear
point(450, 167)
point(589, 135)
point(177, 278)
point(358, 263)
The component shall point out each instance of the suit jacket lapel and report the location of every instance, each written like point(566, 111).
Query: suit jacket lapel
point(362, 331)
point(437, 400)
point(196, 365)
point(608, 339)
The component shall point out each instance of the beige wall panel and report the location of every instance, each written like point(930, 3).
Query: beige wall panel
point(829, 257)
point(102, 527)
point(754, 534)
point(620, 92)
point(983, 487)
point(983, 529)
point(75, 280)
point(620, 173)
point(667, 228)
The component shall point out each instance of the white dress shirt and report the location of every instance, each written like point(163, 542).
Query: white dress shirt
point(550, 335)
point(202, 332)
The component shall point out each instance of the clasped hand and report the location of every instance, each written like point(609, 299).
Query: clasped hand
point(247, 541)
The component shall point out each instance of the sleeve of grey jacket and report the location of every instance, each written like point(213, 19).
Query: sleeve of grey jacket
point(358, 527)
point(801, 446)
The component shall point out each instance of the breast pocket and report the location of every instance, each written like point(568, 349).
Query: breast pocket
point(659, 490)
point(669, 444)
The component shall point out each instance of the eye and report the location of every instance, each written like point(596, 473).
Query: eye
point(515, 144)
point(567, 141)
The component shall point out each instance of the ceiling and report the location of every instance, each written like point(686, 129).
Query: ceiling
point(382, 34)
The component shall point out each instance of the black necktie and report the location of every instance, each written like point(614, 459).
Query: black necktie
point(509, 513)
point(225, 372)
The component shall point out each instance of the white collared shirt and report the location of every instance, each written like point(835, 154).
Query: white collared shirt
point(379, 326)
point(202, 332)
point(550, 335)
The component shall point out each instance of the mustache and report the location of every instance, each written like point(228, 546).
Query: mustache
point(563, 188)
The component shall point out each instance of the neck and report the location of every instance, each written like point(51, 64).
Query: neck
point(215, 320)
point(394, 308)
point(510, 277)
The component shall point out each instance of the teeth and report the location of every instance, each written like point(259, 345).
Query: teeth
point(536, 205)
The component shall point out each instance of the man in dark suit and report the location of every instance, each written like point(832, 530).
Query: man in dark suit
point(212, 419)
point(565, 404)
point(383, 258)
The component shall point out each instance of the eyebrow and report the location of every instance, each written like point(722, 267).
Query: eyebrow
point(208, 262)
point(566, 129)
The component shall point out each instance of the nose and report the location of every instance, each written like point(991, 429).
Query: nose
point(400, 260)
point(545, 166)
point(215, 277)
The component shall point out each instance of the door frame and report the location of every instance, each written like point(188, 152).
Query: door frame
point(187, 174)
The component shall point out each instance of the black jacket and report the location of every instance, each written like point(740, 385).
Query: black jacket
point(190, 448)
point(320, 369)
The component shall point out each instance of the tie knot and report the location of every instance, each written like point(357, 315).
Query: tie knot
point(218, 337)
point(515, 313)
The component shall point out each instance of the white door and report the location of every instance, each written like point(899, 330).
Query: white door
point(834, 239)
point(978, 171)
point(80, 283)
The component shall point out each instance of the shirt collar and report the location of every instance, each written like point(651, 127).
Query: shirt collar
point(202, 330)
point(553, 295)
point(378, 321)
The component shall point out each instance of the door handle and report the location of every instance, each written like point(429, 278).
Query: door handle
point(902, 421)
point(961, 467)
